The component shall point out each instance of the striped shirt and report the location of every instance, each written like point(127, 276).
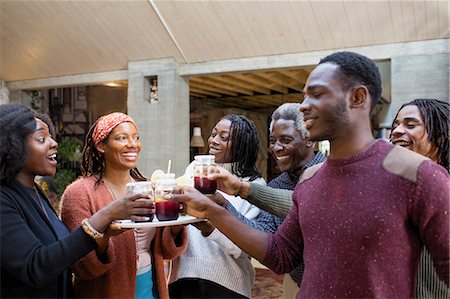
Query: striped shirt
point(428, 283)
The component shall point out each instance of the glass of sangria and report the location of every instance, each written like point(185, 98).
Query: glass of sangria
point(144, 187)
point(166, 209)
point(203, 166)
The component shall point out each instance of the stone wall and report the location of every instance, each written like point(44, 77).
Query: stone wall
point(419, 76)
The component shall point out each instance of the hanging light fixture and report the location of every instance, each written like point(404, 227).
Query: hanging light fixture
point(197, 139)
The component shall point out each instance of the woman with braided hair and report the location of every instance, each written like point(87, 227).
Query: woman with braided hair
point(36, 248)
point(129, 265)
point(93, 161)
point(240, 137)
point(423, 126)
point(212, 266)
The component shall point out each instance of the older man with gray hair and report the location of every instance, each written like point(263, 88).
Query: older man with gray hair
point(293, 154)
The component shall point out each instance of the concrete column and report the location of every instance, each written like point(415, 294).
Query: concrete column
point(163, 125)
point(419, 76)
point(4, 93)
point(20, 96)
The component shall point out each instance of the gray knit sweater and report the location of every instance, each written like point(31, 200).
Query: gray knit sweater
point(216, 258)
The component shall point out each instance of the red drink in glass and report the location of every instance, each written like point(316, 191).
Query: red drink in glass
point(204, 185)
point(167, 210)
point(144, 187)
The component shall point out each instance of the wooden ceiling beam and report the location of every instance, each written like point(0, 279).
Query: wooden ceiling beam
point(270, 83)
point(209, 87)
point(238, 89)
point(285, 81)
point(252, 81)
point(292, 76)
point(230, 80)
point(301, 74)
point(245, 84)
point(197, 95)
point(256, 101)
point(202, 91)
point(227, 85)
point(232, 102)
point(262, 82)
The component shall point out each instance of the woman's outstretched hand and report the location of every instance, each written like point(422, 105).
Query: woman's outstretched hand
point(114, 229)
point(136, 205)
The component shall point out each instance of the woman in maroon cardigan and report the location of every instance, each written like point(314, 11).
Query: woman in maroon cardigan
point(129, 265)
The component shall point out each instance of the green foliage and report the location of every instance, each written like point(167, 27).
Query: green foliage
point(62, 178)
point(69, 152)
point(36, 99)
point(69, 149)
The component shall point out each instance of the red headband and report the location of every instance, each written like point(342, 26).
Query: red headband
point(107, 123)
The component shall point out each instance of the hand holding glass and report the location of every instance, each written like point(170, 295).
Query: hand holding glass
point(165, 209)
point(145, 187)
point(204, 165)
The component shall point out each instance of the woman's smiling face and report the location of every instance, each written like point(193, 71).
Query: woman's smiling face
point(42, 149)
point(220, 142)
point(122, 147)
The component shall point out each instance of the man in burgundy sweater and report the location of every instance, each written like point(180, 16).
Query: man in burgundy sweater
point(360, 218)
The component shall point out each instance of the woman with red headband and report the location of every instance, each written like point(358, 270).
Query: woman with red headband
point(36, 248)
point(129, 265)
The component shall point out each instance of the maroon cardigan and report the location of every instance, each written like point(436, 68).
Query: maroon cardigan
point(114, 277)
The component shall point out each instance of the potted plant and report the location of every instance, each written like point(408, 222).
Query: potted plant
point(69, 156)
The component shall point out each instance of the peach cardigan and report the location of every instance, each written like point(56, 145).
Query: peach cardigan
point(113, 276)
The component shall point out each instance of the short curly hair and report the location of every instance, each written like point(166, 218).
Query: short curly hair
point(357, 69)
point(290, 111)
point(17, 122)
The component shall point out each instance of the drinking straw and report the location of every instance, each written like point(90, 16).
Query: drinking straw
point(168, 166)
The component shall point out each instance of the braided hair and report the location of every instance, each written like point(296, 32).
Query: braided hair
point(244, 146)
point(93, 162)
point(436, 118)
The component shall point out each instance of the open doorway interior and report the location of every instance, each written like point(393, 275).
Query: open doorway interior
point(254, 94)
point(73, 110)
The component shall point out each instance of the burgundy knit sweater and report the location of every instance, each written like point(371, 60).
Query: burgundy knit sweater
point(361, 222)
point(115, 277)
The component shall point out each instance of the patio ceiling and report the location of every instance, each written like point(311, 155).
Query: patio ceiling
point(42, 39)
